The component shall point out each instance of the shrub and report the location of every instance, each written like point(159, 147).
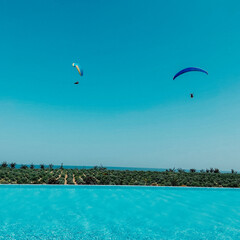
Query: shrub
point(53, 180)
point(12, 165)
point(4, 165)
point(24, 166)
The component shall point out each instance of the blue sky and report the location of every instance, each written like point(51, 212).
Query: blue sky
point(126, 111)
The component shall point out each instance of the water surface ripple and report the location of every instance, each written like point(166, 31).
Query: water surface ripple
point(105, 212)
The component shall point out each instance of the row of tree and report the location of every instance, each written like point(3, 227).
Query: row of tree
point(24, 166)
point(50, 166)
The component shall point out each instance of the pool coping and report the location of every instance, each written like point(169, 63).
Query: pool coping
point(114, 186)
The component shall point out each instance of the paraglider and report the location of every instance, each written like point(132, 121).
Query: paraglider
point(80, 71)
point(189, 69)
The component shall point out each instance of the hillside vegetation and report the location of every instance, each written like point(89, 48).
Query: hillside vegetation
point(101, 176)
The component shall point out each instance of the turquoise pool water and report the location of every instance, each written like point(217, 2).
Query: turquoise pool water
point(104, 212)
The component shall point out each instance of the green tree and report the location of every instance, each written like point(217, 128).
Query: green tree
point(12, 165)
point(4, 165)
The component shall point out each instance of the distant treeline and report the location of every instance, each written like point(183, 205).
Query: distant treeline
point(102, 176)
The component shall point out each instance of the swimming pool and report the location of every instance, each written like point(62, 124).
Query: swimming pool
point(118, 212)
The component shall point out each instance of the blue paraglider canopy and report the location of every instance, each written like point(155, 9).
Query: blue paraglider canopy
point(190, 69)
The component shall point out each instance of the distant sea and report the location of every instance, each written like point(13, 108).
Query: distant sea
point(109, 168)
point(89, 167)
